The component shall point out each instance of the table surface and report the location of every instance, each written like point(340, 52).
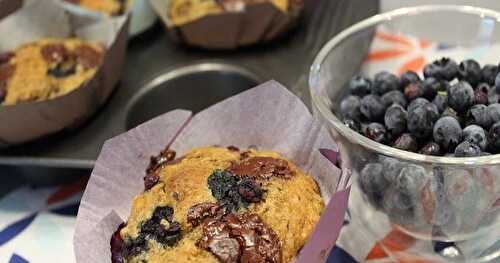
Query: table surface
point(153, 53)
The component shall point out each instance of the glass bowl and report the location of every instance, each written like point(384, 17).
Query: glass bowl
point(430, 198)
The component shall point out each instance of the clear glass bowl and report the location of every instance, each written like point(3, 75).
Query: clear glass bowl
point(450, 199)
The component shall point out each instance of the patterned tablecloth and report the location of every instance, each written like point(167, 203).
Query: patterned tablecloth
point(37, 224)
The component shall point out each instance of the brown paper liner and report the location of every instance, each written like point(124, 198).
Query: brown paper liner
point(260, 22)
point(9, 6)
point(32, 120)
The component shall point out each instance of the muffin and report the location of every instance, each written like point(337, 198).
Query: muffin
point(46, 69)
point(184, 11)
point(108, 7)
point(219, 204)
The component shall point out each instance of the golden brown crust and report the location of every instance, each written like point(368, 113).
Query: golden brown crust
point(185, 11)
point(291, 206)
point(108, 7)
point(50, 68)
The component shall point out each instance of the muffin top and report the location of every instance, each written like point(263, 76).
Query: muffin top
point(46, 69)
point(219, 204)
point(108, 7)
point(185, 11)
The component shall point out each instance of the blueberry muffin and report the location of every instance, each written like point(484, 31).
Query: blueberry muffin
point(108, 7)
point(219, 204)
point(46, 69)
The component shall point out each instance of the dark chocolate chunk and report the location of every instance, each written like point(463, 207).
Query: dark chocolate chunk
point(198, 213)
point(261, 168)
point(255, 241)
point(161, 159)
point(87, 56)
point(233, 148)
point(6, 57)
point(150, 180)
point(55, 53)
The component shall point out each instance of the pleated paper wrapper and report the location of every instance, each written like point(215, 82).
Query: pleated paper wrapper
point(268, 116)
point(9, 6)
point(258, 22)
point(48, 18)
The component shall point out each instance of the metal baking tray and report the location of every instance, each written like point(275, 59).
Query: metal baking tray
point(160, 76)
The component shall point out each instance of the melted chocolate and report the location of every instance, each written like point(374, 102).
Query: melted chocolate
point(156, 162)
point(55, 53)
point(261, 168)
point(87, 56)
point(198, 213)
point(6, 57)
point(255, 242)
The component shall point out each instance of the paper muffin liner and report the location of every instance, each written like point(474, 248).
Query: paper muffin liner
point(9, 6)
point(142, 15)
point(259, 22)
point(268, 116)
point(31, 120)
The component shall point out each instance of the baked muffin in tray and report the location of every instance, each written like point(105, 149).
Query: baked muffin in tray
point(108, 7)
point(46, 69)
point(219, 204)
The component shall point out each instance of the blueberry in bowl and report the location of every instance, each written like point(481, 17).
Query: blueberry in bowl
point(442, 132)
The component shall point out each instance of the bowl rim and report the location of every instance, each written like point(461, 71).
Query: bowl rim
point(319, 103)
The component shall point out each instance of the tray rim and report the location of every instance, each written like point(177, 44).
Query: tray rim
point(147, 85)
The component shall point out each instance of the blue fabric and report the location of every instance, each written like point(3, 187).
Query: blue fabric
point(17, 259)
point(338, 255)
point(11, 231)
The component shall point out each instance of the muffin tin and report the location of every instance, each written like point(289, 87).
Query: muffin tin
point(160, 75)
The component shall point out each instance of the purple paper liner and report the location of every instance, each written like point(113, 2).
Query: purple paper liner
point(268, 116)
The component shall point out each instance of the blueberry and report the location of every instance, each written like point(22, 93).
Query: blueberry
point(376, 132)
point(408, 77)
point(391, 166)
point(447, 132)
point(432, 70)
point(384, 82)
point(413, 91)
point(421, 120)
point(372, 179)
point(372, 107)
point(350, 107)
point(441, 102)
point(479, 114)
point(353, 125)
point(469, 70)
point(395, 119)
point(400, 207)
point(394, 97)
point(481, 94)
point(373, 183)
point(360, 86)
point(475, 134)
point(494, 137)
point(497, 84)
point(467, 149)
point(489, 73)
point(493, 96)
point(461, 97)
point(444, 68)
point(431, 148)
point(411, 179)
point(416, 103)
point(429, 91)
point(494, 112)
point(406, 142)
